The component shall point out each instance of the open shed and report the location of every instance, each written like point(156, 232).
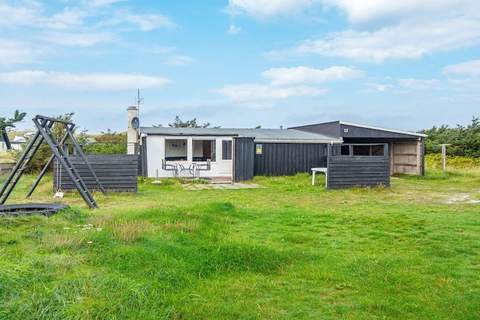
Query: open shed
point(406, 149)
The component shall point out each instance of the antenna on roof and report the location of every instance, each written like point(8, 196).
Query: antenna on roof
point(139, 100)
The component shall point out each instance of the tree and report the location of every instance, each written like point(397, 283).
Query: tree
point(10, 122)
point(462, 140)
point(178, 123)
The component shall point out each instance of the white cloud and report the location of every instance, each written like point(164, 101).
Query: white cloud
point(268, 8)
point(261, 93)
point(285, 83)
point(21, 15)
point(402, 85)
point(407, 29)
point(102, 3)
point(15, 52)
point(403, 41)
point(378, 87)
point(87, 81)
point(306, 75)
point(359, 11)
point(23, 77)
point(30, 13)
point(68, 18)
point(74, 39)
point(179, 60)
point(233, 29)
point(418, 84)
point(465, 69)
point(147, 22)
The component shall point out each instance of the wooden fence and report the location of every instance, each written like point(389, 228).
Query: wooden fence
point(346, 171)
point(115, 172)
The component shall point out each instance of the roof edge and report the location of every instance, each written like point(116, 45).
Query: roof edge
point(313, 124)
point(383, 129)
point(299, 141)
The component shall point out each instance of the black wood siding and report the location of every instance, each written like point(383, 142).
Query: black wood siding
point(142, 162)
point(243, 159)
point(280, 159)
point(115, 172)
point(352, 171)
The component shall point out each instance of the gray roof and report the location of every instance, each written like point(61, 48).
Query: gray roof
point(260, 135)
point(333, 128)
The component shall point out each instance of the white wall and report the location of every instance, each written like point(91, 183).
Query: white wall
point(16, 146)
point(156, 152)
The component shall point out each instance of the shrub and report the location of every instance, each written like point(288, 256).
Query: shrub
point(463, 140)
point(108, 143)
point(434, 161)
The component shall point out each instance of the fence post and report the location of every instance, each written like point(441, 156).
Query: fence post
point(444, 158)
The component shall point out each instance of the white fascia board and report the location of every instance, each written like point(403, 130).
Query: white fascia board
point(298, 141)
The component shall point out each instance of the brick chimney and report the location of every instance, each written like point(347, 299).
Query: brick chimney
point(133, 130)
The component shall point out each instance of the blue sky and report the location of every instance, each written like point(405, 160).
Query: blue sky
point(242, 63)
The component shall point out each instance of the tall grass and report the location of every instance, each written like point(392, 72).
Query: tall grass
point(434, 161)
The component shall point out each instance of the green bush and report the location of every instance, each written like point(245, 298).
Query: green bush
point(108, 143)
point(434, 161)
point(463, 141)
point(105, 148)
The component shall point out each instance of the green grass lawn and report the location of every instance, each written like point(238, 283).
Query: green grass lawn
point(6, 157)
point(284, 251)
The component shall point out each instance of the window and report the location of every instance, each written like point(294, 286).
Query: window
point(259, 149)
point(345, 150)
point(368, 150)
point(226, 150)
point(204, 150)
point(378, 150)
point(360, 150)
point(176, 149)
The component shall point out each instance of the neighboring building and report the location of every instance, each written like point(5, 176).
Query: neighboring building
point(17, 143)
point(357, 155)
point(7, 144)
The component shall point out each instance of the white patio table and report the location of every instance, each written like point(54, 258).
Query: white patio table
point(321, 170)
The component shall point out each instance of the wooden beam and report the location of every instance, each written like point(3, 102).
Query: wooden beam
point(419, 157)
